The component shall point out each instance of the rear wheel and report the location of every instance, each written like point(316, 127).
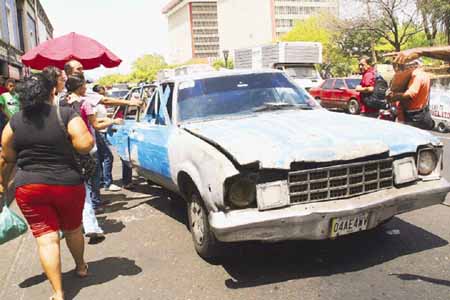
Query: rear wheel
point(353, 107)
point(442, 128)
point(204, 240)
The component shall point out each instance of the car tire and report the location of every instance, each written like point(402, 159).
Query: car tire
point(441, 127)
point(353, 107)
point(205, 243)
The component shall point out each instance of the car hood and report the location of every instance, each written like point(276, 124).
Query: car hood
point(276, 139)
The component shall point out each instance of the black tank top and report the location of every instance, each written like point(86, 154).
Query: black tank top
point(43, 154)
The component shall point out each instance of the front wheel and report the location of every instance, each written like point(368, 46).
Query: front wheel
point(204, 240)
point(442, 128)
point(353, 107)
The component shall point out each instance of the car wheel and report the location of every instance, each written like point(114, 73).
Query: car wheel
point(353, 107)
point(442, 128)
point(205, 243)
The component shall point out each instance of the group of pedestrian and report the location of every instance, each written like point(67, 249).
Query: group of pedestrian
point(45, 132)
point(411, 101)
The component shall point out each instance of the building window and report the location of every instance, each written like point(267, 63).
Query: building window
point(9, 20)
point(31, 26)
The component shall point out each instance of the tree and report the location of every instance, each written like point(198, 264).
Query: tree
point(326, 29)
point(430, 20)
point(146, 67)
point(109, 80)
point(396, 21)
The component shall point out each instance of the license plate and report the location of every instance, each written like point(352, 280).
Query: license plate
point(350, 224)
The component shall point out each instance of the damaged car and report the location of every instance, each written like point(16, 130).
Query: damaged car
point(256, 158)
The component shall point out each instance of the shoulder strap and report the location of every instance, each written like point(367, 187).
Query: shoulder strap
point(61, 122)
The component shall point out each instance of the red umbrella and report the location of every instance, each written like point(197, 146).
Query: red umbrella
point(90, 53)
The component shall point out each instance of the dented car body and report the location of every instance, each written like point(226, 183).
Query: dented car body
point(257, 159)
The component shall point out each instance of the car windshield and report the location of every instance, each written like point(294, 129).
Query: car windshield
point(302, 72)
point(239, 94)
point(352, 83)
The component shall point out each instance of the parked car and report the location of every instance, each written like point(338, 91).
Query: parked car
point(339, 93)
point(256, 158)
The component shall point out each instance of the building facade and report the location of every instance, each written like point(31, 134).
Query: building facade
point(193, 29)
point(199, 29)
point(23, 25)
point(10, 50)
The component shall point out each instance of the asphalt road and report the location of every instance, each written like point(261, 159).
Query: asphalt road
point(148, 254)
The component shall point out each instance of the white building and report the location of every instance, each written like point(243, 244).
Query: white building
point(193, 29)
point(204, 28)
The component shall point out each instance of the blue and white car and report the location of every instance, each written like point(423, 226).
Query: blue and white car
point(256, 158)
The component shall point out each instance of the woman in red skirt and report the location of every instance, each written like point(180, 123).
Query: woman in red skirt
point(49, 190)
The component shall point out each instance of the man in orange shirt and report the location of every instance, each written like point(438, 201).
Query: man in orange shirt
point(414, 101)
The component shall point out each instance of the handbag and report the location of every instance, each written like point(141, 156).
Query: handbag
point(11, 225)
point(85, 164)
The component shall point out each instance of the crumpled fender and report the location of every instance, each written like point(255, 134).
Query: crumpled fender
point(207, 167)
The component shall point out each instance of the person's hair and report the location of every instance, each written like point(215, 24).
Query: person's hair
point(34, 92)
point(10, 80)
point(52, 73)
point(74, 82)
point(97, 88)
point(367, 59)
point(68, 67)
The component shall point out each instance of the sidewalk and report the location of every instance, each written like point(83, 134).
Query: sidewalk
point(112, 263)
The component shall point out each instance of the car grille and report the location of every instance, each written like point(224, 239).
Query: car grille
point(341, 181)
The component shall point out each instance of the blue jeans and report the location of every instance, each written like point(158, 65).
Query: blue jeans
point(93, 185)
point(127, 172)
point(90, 223)
point(105, 158)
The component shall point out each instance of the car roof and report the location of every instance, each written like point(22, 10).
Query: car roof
point(220, 73)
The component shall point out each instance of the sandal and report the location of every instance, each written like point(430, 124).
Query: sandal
point(84, 273)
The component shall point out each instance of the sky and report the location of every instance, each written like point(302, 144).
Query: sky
point(128, 28)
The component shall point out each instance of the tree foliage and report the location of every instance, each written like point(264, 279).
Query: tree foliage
point(109, 80)
point(145, 68)
point(324, 28)
point(395, 21)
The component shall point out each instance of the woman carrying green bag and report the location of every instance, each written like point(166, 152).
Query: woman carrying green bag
point(48, 188)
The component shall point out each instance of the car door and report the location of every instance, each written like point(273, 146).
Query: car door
point(326, 96)
point(339, 93)
point(118, 135)
point(149, 138)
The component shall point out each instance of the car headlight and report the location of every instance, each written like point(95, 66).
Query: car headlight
point(242, 193)
point(427, 162)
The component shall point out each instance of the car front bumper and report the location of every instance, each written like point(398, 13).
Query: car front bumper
point(312, 221)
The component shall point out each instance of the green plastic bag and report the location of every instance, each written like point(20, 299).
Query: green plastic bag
point(11, 225)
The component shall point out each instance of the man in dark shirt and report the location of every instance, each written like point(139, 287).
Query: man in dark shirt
point(367, 85)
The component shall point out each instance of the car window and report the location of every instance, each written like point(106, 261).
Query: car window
point(339, 83)
point(328, 84)
point(152, 107)
point(352, 83)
